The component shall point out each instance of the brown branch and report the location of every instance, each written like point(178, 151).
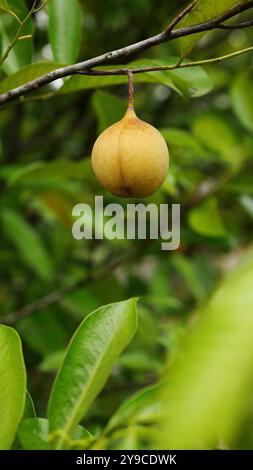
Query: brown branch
point(124, 53)
point(243, 24)
point(179, 17)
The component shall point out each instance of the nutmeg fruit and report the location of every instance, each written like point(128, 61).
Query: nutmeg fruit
point(130, 158)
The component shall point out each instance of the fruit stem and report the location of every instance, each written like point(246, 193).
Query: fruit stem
point(130, 90)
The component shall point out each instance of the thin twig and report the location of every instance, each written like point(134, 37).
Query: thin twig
point(180, 16)
point(123, 53)
point(18, 35)
point(157, 68)
point(243, 24)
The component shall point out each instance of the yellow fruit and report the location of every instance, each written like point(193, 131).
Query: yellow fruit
point(130, 158)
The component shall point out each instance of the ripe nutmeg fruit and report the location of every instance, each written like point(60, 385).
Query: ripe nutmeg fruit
point(130, 158)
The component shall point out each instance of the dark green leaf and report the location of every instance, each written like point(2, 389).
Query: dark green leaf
point(65, 26)
point(28, 243)
point(108, 107)
point(242, 99)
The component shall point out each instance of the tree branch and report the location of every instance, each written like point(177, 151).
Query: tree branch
point(125, 52)
point(243, 24)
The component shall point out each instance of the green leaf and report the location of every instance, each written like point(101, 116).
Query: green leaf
point(211, 378)
point(92, 353)
point(143, 407)
point(183, 143)
point(203, 11)
point(13, 385)
point(26, 74)
point(206, 220)
point(108, 107)
point(45, 332)
point(192, 81)
point(242, 99)
point(29, 411)
point(33, 433)
point(215, 133)
point(21, 53)
point(65, 27)
point(28, 243)
point(4, 5)
point(187, 270)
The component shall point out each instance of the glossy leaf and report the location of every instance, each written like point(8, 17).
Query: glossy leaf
point(65, 26)
point(13, 385)
point(206, 219)
point(203, 11)
point(92, 352)
point(242, 99)
point(28, 243)
point(211, 379)
point(33, 434)
point(21, 53)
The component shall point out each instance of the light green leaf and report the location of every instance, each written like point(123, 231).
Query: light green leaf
point(206, 219)
point(203, 11)
point(211, 379)
point(92, 352)
point(21, 53)
point(242, 99)
point(33, 433)
point(28, 243)
point(13, 385)
point(65, 27)
point(108, 107)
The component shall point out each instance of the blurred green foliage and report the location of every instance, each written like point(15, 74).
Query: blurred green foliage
point(206, 117)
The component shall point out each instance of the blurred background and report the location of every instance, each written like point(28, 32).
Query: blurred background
point(206, 117)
